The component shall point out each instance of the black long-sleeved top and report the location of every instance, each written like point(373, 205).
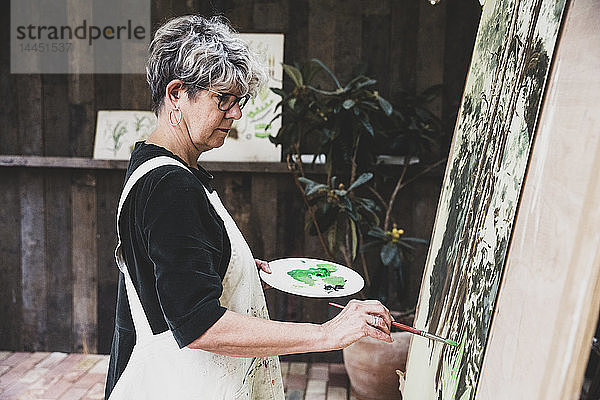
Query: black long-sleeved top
point(177, 251)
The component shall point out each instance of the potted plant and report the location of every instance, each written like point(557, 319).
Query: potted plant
point(351, 209)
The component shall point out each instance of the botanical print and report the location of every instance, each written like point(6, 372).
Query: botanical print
point(118, 131)
point(486, 168)
point(248, 139)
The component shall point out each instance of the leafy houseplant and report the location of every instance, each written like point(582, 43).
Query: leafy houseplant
point(350, 124)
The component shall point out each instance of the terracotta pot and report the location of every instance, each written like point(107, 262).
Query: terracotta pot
point(371, 365)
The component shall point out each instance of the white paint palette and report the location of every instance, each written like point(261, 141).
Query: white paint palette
point(311, 277)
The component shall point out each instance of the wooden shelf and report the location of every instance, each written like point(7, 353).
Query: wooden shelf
point(88, 163)
point(60, 162)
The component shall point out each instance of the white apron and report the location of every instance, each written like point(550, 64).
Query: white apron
point(158, 369)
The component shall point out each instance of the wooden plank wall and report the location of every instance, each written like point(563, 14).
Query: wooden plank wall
point(57, 275)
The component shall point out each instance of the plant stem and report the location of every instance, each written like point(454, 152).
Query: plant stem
point(346, 253)
point(298, 153)
point(329, 172)
point(414, 178)
point(310, 210)
point(390, 205)
point(354, 164)
point(379, 197)
point(364, 261)
point(399, 186)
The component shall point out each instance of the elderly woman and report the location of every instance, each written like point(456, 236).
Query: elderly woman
point(191, 317)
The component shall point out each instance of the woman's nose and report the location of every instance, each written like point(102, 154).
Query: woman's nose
point(234, 112)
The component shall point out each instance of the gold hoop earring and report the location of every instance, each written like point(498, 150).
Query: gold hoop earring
point(173, 117)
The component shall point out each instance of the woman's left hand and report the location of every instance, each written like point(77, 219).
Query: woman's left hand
point(263, 265)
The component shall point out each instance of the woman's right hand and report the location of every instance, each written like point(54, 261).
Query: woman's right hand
point(356, 321)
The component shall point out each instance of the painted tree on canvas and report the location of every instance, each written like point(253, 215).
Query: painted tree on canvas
point(487, 164)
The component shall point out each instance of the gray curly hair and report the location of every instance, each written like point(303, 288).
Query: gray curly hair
point(201, 52)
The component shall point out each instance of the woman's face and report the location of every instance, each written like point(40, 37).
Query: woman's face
point(208, 126)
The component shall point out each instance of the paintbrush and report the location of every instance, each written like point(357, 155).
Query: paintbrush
point(413, 330)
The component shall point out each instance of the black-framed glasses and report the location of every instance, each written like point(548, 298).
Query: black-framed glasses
point(228, 100)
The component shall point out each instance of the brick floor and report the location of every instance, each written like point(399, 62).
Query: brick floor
point(63, 376)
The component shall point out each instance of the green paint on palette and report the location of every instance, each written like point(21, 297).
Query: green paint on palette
point(335, 280)
point(322, 271)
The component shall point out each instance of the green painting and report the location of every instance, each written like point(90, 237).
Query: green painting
point(322, 272)
point(486, 168)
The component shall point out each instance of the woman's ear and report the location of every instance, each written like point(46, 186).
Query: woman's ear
point(174, 90)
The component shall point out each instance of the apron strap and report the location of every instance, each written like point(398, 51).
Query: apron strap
point(140, 321)
point(139, 172)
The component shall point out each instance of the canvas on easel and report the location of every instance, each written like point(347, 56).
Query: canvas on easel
point(480, 195)
point(547, 308)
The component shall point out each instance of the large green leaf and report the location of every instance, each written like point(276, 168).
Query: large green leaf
point(364, 120)
point(370, 105)
point(363, 178)
point(374, 245)
point(350, 210)
point(368, 204)
point(386, 106)
point(403, 244)
point(317, 188)
point(307, 181)
point(286, 136)
point(416, 240)
point(347, 203)
point(378, 233)
point(334, 181)
point(390, 255)
point(321, 91)
point(367, 82)
point(353, 81)
point(348, 104)
point(326, 215)
point(278, 91)
point(309, 71)
point(399, 272)
point(309, 184)
point(333, 77)
point(294, 73)
point(354, 238)
point(332, 238)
